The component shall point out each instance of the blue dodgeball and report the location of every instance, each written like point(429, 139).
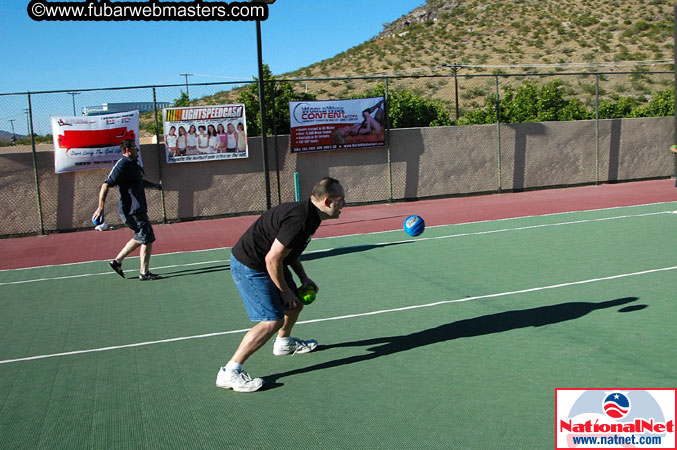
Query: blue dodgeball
point(98, 222)
point(414, 225)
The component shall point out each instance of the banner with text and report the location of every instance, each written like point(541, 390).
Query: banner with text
point(91, 142)
point(336, 124)
point(205, 133)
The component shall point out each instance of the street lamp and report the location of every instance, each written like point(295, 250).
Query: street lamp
point(74, 94)
point(187, 75)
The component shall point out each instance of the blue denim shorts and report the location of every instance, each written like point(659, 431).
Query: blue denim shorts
point(261, 298)
point(140, 225)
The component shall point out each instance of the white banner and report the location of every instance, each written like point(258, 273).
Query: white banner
point(91, 142)
point(336, 124)
point(205, 133)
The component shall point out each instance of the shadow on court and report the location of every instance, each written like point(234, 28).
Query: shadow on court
point(370, 220)
point(196, 271)
point(306, 257)
point(346, 250)
point(478, 326)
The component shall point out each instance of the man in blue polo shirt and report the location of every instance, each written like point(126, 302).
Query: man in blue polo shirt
point(127, 174)
point(259, 265)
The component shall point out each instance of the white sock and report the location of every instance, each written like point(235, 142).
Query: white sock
point(282, 340)
point(234, 366)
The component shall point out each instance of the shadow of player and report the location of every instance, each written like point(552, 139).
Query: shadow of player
point(478, 326)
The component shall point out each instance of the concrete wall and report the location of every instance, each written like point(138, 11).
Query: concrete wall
point(424, 162)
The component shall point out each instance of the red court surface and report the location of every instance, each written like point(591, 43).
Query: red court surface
point(93, 245)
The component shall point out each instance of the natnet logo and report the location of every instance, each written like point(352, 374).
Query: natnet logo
point(615, 418)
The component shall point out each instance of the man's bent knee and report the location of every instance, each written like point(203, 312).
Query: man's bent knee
point(271, 326)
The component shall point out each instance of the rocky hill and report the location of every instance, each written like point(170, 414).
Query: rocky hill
point(522, 40)
point(515, 37)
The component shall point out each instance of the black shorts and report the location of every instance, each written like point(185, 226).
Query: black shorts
point(139, 223)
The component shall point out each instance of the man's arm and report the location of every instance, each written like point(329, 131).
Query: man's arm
point(147, 183)
point(275, 267)
point(103, 192)
point(297, 267)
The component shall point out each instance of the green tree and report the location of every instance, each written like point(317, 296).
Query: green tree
point(183, 100)
point(529, 103)
point(283, 92)
point(406, 109)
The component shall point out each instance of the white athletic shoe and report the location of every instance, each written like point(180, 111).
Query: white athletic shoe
point(293, 346)
point(237, 381)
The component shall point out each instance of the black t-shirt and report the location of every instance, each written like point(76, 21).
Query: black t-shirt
point(128, 176)
point(293, 224)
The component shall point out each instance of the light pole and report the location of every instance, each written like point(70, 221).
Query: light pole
point(74, 94)
point(187, 75)
point(264, 144)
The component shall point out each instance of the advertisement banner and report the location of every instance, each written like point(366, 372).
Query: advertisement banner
point(91, 142)
point(337, 124)
point(205, 133)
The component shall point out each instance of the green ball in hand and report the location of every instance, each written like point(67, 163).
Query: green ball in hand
point(307, 295)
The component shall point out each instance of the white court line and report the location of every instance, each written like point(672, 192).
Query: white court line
point(84, 275)
point(419, 239)
point(366, 234)
point(348, 316)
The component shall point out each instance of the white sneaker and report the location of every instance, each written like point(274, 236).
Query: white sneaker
point(293, 346)
point(237, 381)
point(103, 227)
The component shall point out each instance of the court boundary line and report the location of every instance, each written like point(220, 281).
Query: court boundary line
point(343, 317)
point(362, 234)
point(418, 239)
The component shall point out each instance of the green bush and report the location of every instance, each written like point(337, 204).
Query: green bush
point(616, 109)
point(406, 109)
point(661, 105)
point(530, 104)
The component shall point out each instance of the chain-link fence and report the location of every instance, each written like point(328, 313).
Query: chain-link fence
point(416, 162)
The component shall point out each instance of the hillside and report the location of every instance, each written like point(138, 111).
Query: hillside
point(511, 32)
point(7, 135)
point(605, 35)
point(517, 37)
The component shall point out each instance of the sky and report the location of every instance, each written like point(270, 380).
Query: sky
point(40, 56)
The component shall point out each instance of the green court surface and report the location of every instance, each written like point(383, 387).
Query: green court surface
point(456, 339)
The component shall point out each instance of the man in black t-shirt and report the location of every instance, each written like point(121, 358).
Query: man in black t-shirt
point(260, 263)
point(127, 174)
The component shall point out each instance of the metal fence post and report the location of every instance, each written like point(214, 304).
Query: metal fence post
point(674, 68)
point(35, 164)
point(277, 164)
point(498, 134)
point(159, 156)
point(386, 100)
point(597, 129)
